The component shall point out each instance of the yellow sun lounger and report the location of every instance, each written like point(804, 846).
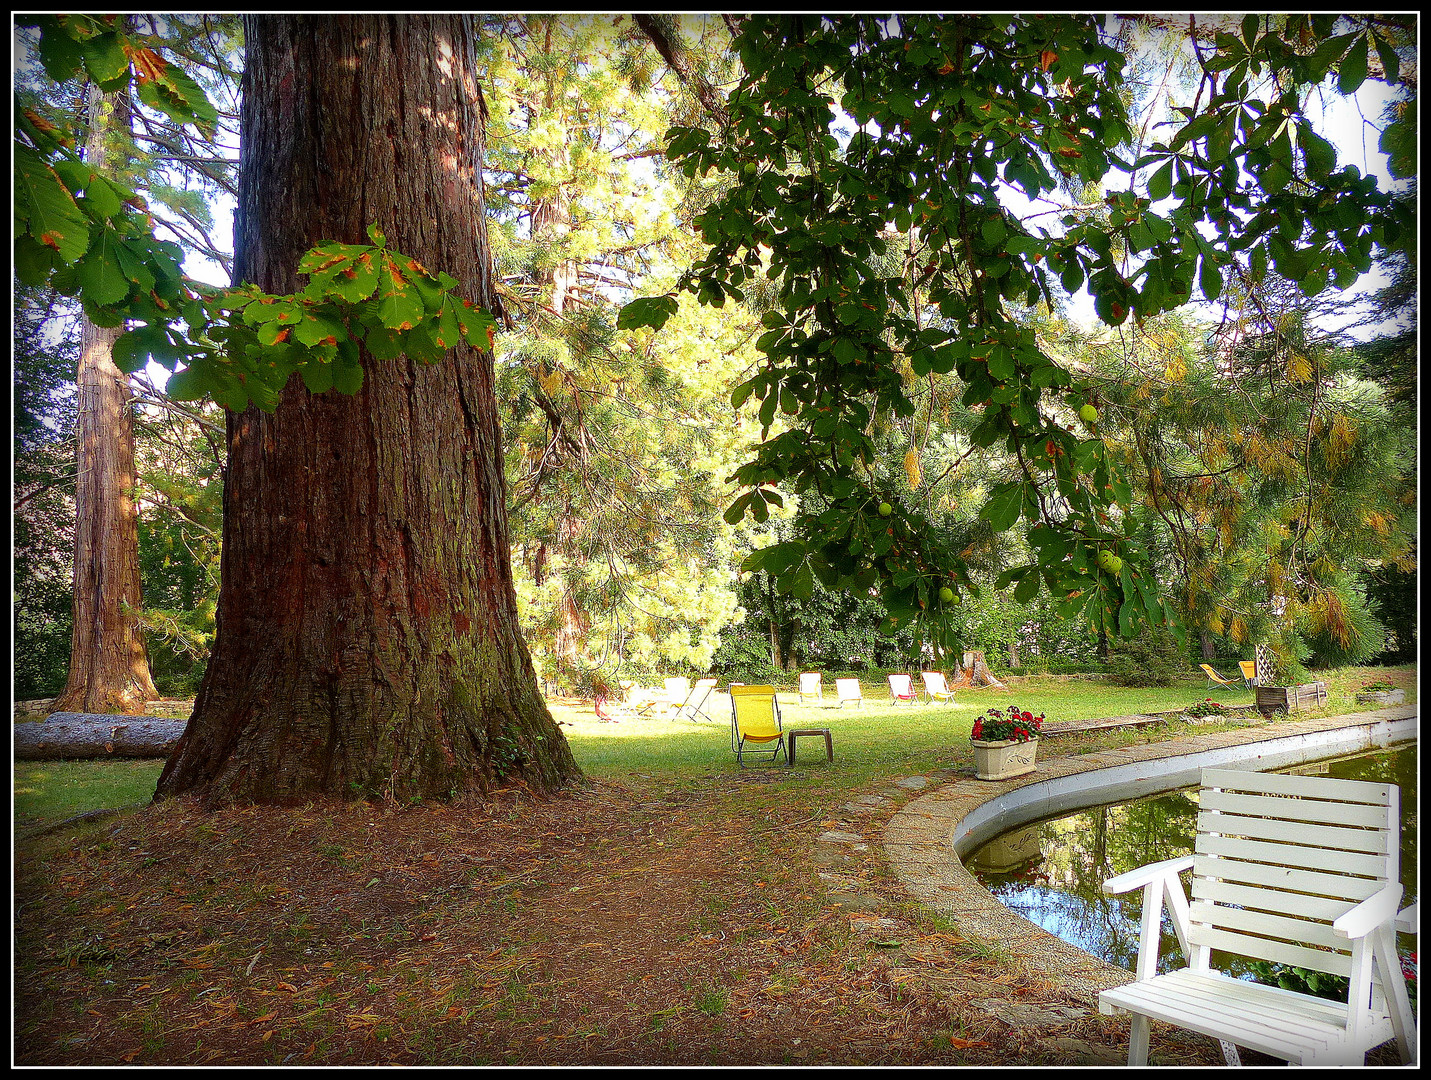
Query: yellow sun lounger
point(755, 723)
point(1214, 679)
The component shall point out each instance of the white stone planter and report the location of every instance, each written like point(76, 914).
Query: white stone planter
point(1003, 759)
point(1381, 697)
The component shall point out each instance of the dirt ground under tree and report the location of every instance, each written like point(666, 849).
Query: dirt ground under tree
point(606, 925)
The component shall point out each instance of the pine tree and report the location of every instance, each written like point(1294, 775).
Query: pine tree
point(618, 442)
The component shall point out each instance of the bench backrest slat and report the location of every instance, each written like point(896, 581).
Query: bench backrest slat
point(1279, 857)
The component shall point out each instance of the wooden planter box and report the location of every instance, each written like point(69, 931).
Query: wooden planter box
point(1003, 759)
point(1381, 697)
point(1291, 698)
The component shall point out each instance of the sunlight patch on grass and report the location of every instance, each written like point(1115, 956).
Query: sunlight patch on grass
point(48, 791)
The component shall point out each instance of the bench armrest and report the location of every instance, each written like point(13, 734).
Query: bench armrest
point(1406, 920)
point(1376, 910)
point(1134, 879)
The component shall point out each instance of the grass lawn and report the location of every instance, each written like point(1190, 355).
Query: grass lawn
point(874, 740)
point(50, 791)
point(668, 910)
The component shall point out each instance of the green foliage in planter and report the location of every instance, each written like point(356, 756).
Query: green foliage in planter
point(1207, 707)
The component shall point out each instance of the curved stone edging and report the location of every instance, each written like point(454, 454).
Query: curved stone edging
point(927, 838)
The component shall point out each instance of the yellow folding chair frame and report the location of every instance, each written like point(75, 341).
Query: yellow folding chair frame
point(1214, 679)
point(755, 719)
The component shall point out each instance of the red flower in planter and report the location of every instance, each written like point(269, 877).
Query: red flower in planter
point(999, 725)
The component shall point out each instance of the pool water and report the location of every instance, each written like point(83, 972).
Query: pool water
point(1052, 872)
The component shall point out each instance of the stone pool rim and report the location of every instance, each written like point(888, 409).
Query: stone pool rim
point(927, 839)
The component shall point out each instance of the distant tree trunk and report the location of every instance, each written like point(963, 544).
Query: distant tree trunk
point(1209, 647)
point(572, 628)
point(109, 668)
point(367, 640)
point(551, 224)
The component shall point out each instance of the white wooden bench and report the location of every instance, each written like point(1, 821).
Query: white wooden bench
point(1298, 870)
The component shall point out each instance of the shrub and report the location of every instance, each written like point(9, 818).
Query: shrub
point(758, 673)
point(1153, 659)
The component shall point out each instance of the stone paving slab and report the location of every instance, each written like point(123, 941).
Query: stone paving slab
point(917, 843)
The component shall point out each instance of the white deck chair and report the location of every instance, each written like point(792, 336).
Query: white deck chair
point(812, 685)
point(848, 690)
point(935, 688)
point(693, 708)
point(675, 694)
point(901, 689)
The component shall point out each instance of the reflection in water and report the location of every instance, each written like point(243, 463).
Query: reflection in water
point(1052, 873)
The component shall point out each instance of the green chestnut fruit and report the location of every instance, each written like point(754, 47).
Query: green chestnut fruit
point(1088, 414)
point(885, 509)
point(946, 594)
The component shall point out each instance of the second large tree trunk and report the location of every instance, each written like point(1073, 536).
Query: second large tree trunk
point(109, 668)
point(367, 640)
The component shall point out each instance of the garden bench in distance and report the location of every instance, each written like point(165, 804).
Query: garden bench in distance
point(1297, 870)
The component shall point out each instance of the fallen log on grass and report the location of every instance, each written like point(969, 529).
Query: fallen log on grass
point(96, 735)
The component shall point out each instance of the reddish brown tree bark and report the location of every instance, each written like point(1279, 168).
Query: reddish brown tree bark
point(109, 668)
point(367, 638)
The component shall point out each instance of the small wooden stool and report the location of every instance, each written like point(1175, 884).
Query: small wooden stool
point(829, 743)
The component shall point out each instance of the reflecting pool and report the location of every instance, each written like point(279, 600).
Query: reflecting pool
point(1052, 872)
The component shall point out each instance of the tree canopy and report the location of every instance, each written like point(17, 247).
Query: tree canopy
point(951, 114)
point(895, 197)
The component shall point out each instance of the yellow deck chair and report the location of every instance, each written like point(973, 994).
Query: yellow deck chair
point(900, 689)
point(1214, 679)
point(935, 688)
point(848, 690)
point(755, 723)
point(812, 685)
point(1249, 672)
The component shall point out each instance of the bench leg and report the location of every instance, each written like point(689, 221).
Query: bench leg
point(1138, 1041)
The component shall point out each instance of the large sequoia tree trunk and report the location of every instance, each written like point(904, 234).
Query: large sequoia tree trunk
point(109, 668)
point(367, 638)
